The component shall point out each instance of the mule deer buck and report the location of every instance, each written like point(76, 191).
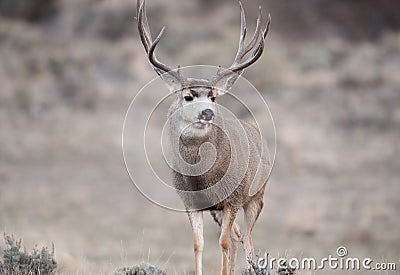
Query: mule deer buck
point(240, 158)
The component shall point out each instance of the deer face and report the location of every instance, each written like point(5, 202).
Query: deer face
point(197, 103)
point(195, 107)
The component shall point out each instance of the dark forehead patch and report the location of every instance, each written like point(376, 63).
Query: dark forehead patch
point(199, 91)
point(194, 93)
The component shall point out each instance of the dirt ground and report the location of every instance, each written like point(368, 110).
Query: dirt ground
point(69, 69)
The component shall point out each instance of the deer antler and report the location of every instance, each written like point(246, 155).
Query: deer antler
point(150, 45)
point(255, 46)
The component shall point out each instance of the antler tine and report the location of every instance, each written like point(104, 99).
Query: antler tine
point(268, 25)
point(258, 51)
point(143, 26)
point(255, 46)
point(260, 48)
point(243, 30)
point(152, 58)
point(150, 45)
point(256, 54)
point(253, 40)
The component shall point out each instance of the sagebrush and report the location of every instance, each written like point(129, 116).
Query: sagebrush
point(16, 261)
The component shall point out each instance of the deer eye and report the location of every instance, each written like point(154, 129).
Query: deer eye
point(188, 98)
point(212, 98)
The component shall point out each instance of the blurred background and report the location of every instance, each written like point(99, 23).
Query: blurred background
point(69, 69)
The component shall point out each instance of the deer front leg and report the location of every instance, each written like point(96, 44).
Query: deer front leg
point(235, 238)
point(251, 212)
point(196, 221)
point(228, 218)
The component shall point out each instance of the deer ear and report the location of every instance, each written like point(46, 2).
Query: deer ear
point(173, 84)
point(225, 83)
point(170, 79)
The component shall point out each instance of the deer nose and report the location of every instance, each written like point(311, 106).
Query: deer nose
point(206, 115)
